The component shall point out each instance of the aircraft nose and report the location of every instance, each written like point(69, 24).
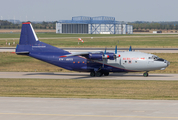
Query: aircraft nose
point(168, 63)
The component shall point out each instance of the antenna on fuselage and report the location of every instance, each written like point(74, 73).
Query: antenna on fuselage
point(116, 49)
point(130, 49)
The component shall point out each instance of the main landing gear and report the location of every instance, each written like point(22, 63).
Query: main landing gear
point(145, 74)
point(98, 73)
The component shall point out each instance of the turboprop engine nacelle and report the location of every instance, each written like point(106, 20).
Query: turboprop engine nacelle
point(110, 56)
point(95, 57)
point(100, 57)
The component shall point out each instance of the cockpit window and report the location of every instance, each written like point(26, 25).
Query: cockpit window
point(153, 57)
point(160, 59)
point(156, 58)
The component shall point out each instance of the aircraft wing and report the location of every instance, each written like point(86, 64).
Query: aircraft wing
point(81, 53)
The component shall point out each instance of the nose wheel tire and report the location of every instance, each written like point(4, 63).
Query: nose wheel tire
point(145, 74)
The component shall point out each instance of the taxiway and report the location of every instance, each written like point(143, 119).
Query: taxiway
point(19, 108)
point(76, 75)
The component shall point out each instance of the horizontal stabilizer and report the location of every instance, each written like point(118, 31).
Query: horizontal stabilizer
point(23, 52)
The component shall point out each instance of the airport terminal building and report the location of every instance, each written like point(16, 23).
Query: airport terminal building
point(93, 25)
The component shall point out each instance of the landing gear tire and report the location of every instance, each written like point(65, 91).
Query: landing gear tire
point(92, 74)
point(145, 74)
point(106, 73)
point(99, 74)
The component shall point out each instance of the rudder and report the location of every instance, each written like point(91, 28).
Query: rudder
point(29, 42)
point(28, 36)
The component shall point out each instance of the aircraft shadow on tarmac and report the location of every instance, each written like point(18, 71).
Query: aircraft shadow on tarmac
point(86, 75)
point(63, 74)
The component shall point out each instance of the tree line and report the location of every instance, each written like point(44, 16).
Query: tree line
point(154, 25)
point(4, 24)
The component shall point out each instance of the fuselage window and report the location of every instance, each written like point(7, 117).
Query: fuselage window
point(135, 61)
point(125, 61)
point(130, 61)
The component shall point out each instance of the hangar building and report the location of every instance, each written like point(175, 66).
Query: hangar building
point(93, 25)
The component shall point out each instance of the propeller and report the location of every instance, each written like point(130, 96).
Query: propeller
point(116, 56)
point(104, 57)
point(115, 52)
point(130, 49)
point(116, 49)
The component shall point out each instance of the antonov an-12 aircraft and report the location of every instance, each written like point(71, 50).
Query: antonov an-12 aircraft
point(97, 63)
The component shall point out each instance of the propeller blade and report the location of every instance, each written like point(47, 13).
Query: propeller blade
point(116, 49)
point(130, 49)
point(104, 56)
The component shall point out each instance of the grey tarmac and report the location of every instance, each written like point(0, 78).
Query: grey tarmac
point(20, 108)
point(77, 75)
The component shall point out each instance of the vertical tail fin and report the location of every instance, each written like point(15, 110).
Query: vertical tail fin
point(28, 36)
point(30, 43)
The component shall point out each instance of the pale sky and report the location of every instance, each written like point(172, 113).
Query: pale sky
point(122, 10)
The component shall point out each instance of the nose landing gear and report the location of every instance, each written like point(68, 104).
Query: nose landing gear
point(145, 74)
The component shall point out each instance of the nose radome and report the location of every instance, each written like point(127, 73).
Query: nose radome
point(168, 63)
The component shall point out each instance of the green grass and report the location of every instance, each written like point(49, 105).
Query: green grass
point(9, 35)
point(13, 62)
point(106, 89)
point(150, 42)
point(44, 35)
point(71, 40)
